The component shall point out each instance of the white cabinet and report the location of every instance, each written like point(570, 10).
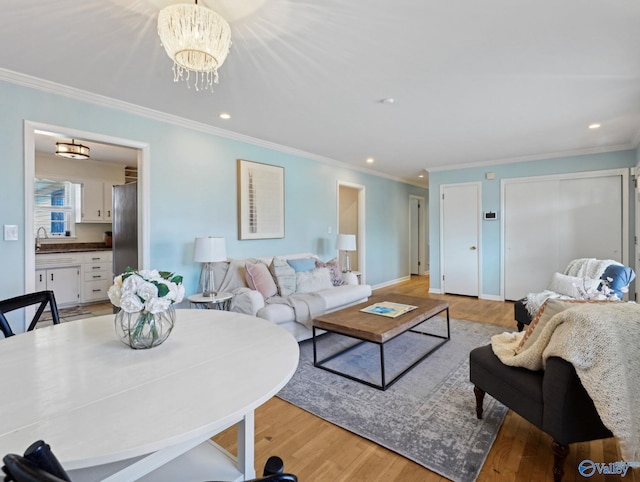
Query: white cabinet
point(97, 201)
point(97, 276)
point(60, 274)
point(81, 277)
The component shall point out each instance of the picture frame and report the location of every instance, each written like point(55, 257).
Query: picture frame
point(260, 200)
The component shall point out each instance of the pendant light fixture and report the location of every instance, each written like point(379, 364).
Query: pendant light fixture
point(72, 151)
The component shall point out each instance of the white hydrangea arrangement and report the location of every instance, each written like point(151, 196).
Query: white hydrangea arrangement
point(150, 291)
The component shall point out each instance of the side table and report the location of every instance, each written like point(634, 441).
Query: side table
point(219, 301)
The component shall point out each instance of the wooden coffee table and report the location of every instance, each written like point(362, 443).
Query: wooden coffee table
point(379, 329)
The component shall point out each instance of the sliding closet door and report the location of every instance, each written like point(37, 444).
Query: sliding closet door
point(531, 241)
point(550, 221)
point(590, 219)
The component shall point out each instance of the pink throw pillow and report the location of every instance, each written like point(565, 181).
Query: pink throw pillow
point(334, 269)
point(259, 278)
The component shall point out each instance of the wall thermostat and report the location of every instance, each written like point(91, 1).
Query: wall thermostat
point(490, 216)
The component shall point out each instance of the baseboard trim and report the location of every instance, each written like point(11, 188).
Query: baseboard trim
point(392, 282)
point(435, 291)
point(490, 297)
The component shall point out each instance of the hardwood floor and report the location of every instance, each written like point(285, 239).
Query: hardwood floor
point(318, 451)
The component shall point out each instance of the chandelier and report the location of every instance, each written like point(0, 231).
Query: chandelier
point(72, 151)
point(197, 39)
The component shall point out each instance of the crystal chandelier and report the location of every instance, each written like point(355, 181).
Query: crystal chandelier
point(197, 39)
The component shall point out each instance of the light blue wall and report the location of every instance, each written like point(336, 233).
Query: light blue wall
point(193, 191)
point(491, 263)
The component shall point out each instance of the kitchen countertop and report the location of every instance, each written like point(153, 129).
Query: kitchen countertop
point(57, 248)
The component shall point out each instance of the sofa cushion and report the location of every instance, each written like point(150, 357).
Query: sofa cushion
point(312, 281)
point(334, 270)
point(277, 313)
point(259, 278)
point(338, 296)
point(302, 264)
point(284, 276)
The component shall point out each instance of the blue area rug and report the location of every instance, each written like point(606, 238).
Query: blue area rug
point(427, 416)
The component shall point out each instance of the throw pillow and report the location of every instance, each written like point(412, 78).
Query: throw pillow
point(259, 278)
point(334, 271)
point(572, 286)
point(284, 275)
point(311, 281)
point(302, 264)
point(618, 278)
point(548, 310)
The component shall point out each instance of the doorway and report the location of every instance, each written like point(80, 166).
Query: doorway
point(31, 130)
point(351, 216)
point(418, 237)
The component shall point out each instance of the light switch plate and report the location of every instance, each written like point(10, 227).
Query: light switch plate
point(10, 232)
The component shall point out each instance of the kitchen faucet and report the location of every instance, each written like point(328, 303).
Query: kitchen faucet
point(38, 243)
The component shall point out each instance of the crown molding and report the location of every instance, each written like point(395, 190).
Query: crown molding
point(537, 157)
point(103, 101)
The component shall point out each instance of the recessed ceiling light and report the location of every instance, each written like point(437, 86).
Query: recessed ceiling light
point(594, 126)
point(389, 100)
point(225, 116)
point(370, 160)
point(420, 175)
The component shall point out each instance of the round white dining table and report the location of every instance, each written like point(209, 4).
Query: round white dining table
point(113, 413)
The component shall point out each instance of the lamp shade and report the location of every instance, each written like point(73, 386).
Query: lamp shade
point(208, 250)
point(347, 242)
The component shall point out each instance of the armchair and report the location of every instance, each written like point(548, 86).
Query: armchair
point(552, 399)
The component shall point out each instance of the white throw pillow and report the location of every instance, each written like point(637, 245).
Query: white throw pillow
point(311, 281)
point(571, 285)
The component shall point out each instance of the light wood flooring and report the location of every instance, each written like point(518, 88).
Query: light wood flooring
point(318, 451)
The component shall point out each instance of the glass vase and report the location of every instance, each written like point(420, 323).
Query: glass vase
point(142, 329)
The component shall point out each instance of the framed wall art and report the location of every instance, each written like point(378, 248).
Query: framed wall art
point(260, 200)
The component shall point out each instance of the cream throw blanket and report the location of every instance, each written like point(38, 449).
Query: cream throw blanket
point(579, 268)
point(306, 306)
point(602, 342)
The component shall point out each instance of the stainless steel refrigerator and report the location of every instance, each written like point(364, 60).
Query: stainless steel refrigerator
point(125, 227)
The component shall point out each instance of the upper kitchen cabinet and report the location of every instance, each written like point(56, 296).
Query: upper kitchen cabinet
point(97, 201)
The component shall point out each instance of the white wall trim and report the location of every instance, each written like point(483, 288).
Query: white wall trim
point(435, 291)
point(490, 297)
point(623, 172)
point(391, 282)
point(101, 100)
point(537, 157)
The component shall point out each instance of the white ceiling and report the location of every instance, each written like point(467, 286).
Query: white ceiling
point(473, 82)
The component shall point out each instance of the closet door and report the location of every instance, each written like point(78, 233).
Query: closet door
point(531, 236)
point(590, 218)
point(549, 222)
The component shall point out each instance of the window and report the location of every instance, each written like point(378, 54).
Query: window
point(57, 207)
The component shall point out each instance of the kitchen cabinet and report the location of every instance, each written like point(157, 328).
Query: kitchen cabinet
point(97, 275)
point(64, 282)
point(97, 201)
point(78, 277)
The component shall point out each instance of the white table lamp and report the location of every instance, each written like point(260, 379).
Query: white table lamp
point(347, 242)
point(207, 251)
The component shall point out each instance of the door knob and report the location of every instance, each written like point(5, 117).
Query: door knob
point(473, 248)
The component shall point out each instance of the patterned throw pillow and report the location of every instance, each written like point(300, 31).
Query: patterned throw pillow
point(284, 275)
point(548, 310)
point(334, 270)
point(302, 264)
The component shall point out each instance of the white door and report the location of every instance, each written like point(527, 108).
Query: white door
point(549, 222)
point(531, 240)
point(460, 214)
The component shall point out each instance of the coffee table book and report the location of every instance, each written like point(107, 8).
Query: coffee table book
point(388, 309)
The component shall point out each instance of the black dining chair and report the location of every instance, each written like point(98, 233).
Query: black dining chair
point(41, 298)
point(39, 464)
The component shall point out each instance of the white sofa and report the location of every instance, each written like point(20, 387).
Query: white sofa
point(294, 311)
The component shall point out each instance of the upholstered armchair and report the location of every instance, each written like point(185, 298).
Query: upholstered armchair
point(552, 399)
